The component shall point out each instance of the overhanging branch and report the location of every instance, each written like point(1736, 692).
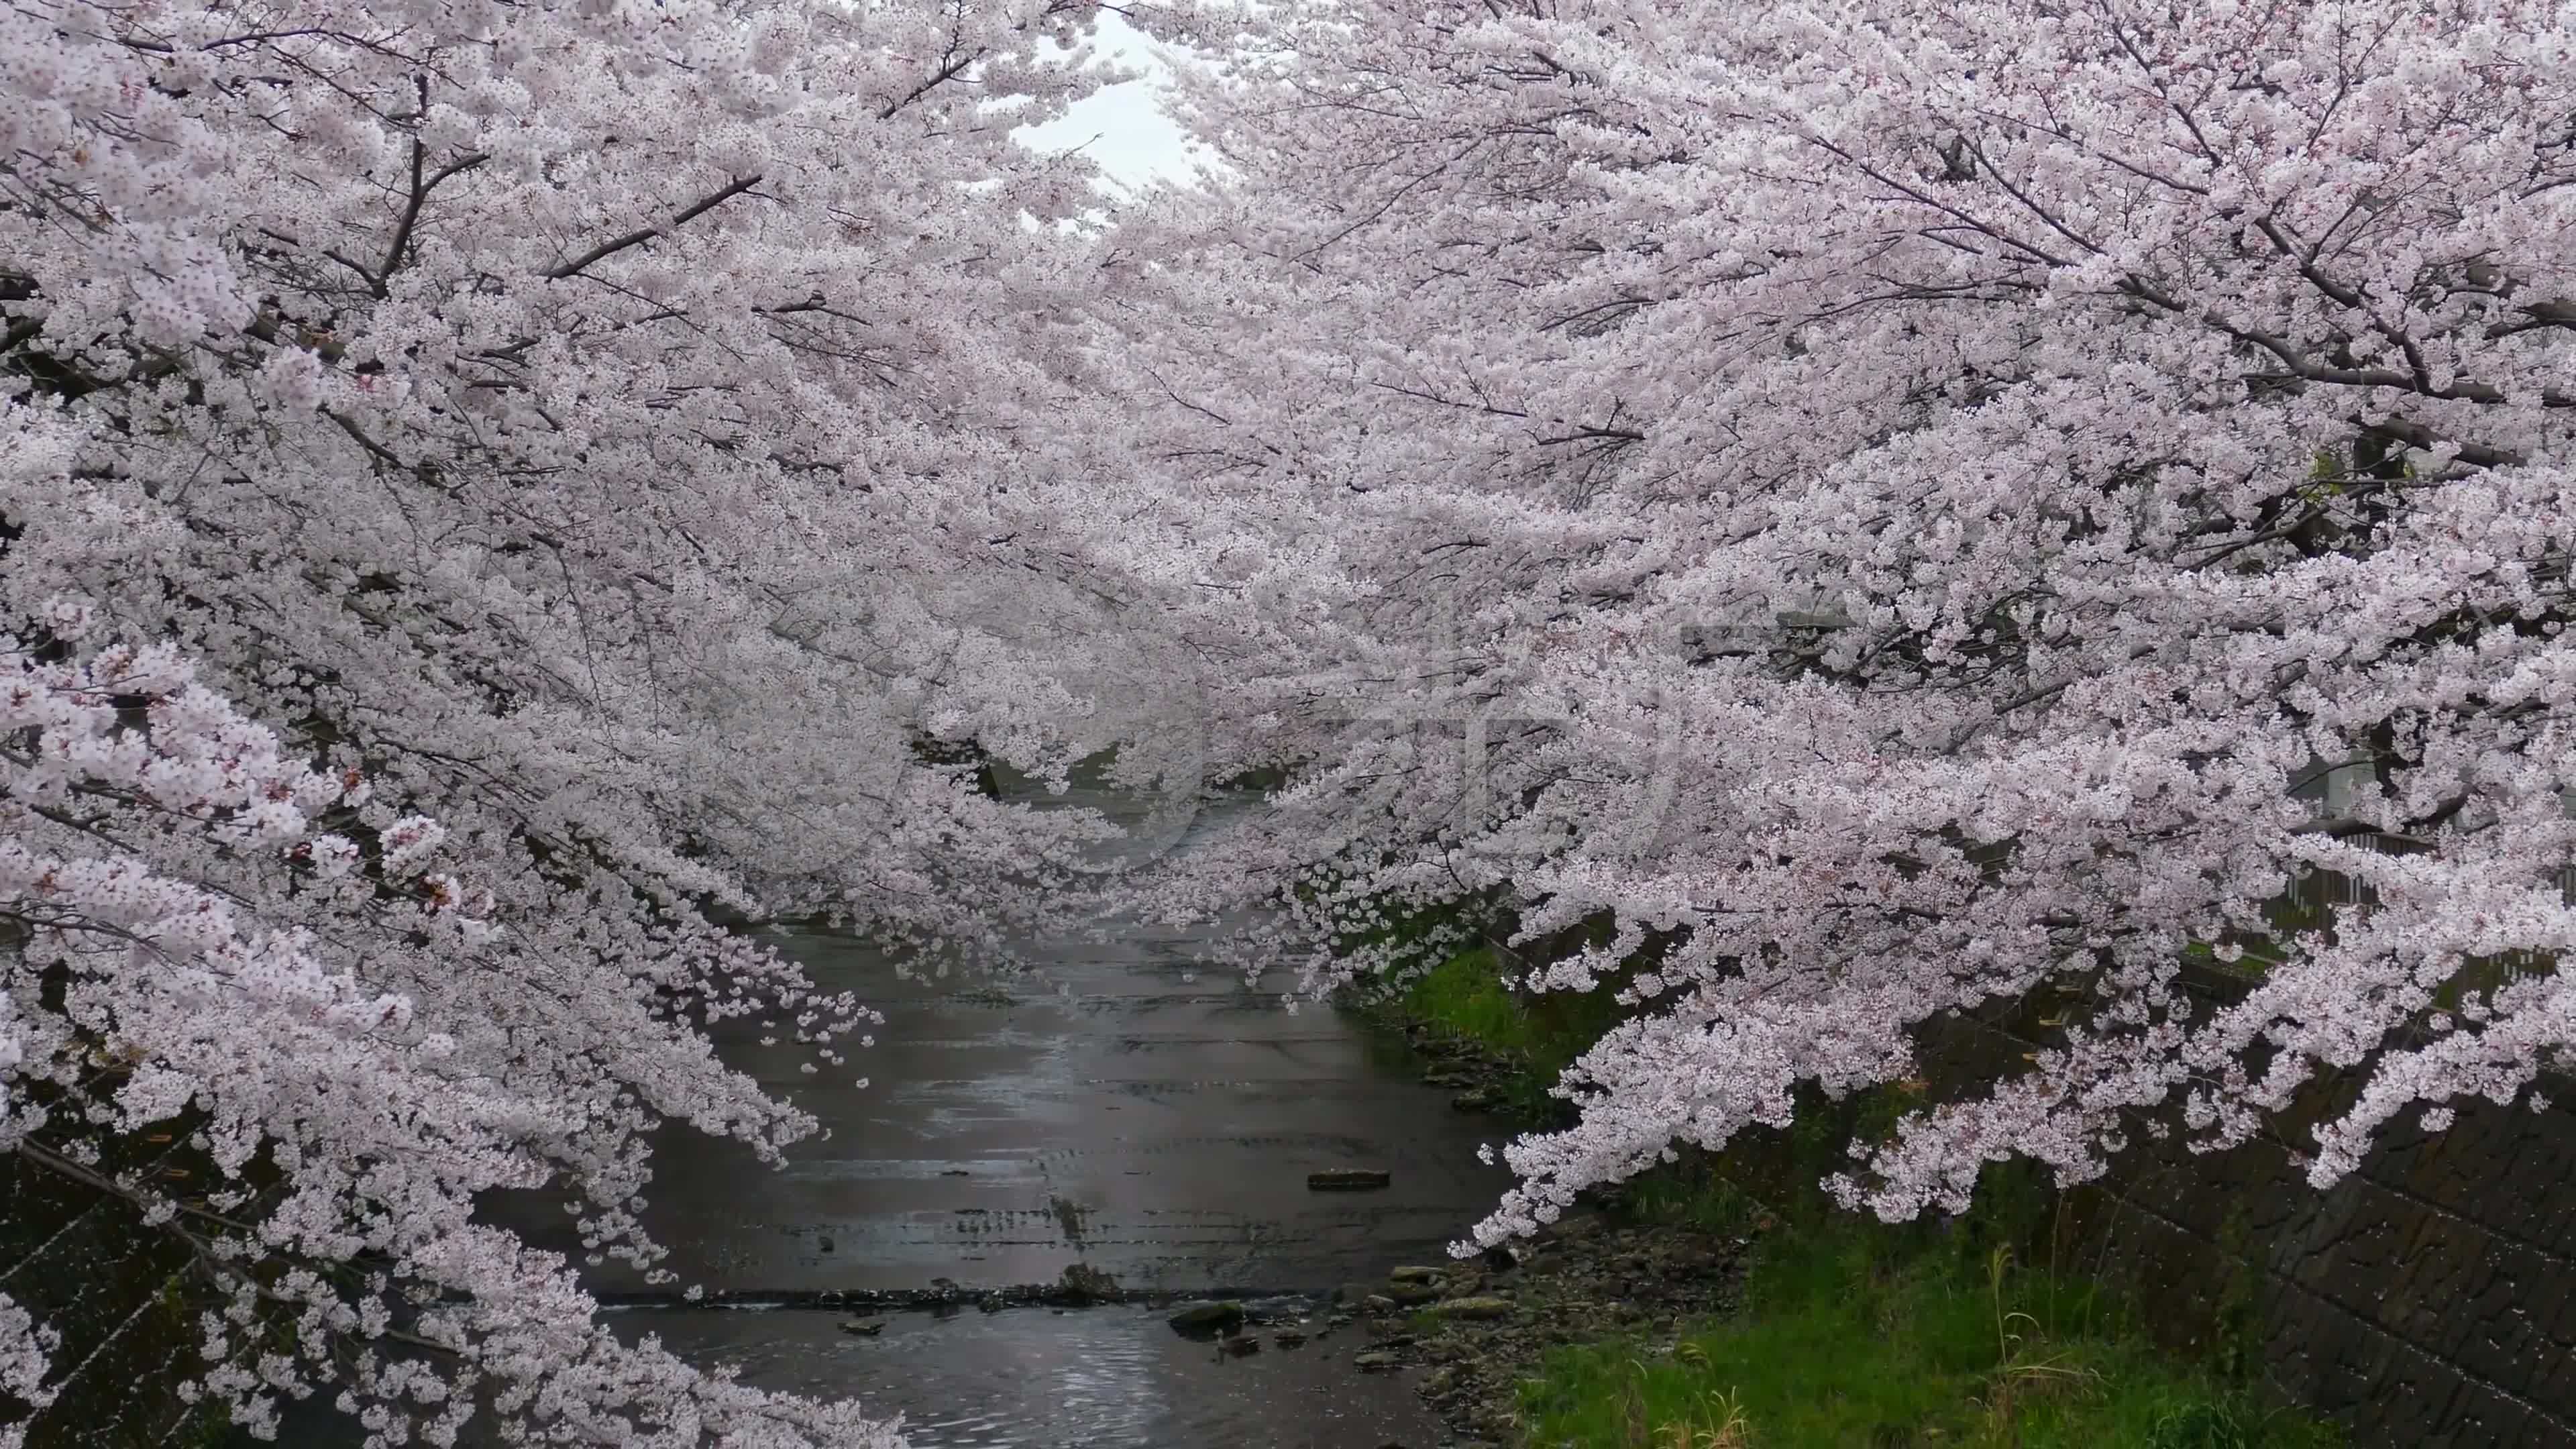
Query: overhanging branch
point(642, 235)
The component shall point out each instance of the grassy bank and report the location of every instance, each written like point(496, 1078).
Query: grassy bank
point(1852, 1334)
point(1524, 1044)
point(1848, 1338)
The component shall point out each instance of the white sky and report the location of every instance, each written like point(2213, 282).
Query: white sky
point(1122, 127)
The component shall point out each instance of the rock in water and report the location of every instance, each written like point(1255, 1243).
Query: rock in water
point(1415, 1275)
point(1479, 1307)
point(1207, 1317)
point(1347, 1179)
point(1374, 1361)
point(1241, 1344)
point(1083, 1283)
point(863, 1327)
point(1285, 1308)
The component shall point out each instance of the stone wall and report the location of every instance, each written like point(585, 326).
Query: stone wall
point(2425, 1300)
point(2428, 1299)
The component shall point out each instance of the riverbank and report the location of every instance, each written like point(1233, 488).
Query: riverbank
point(1719, 1304)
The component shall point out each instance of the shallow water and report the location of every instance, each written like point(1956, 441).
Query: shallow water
point(1031, 1378)
point(1131, 1106)
point(1101, 1111)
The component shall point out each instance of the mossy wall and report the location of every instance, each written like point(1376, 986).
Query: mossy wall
point(2428, 1299)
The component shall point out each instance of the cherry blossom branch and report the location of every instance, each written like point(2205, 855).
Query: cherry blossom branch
point(641, 235)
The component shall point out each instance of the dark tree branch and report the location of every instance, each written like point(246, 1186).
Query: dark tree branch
point(420, 190)
point(949, 70)
point(1586, 435)
point(2416, 435)
point(644, 234)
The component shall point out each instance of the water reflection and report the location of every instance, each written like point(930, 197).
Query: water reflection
point(1131, 1107)
point(1102, 1378)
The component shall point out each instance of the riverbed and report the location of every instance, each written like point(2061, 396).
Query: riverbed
point(1128, 1103)
point(1131, 1106)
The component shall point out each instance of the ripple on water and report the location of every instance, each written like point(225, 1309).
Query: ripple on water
point(1104, 1378)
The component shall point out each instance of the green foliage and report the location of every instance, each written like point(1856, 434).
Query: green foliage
point(1767, 1177)
point(2237, 1333)
point(1852, 1336)
point(1695, 1195)
point(1465, 997)
point(1854, 1332)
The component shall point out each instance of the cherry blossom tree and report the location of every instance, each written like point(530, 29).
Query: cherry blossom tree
point(1885, 505)
point(487, 491)
point(1890, 504)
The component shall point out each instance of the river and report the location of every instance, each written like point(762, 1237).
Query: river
point(1132, 1106)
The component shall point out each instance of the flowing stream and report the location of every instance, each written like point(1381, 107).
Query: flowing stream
point(1130, 1106)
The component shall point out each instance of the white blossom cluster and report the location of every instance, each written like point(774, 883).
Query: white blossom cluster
point(1886, 505)
point(1883, 509)
point(489, 492)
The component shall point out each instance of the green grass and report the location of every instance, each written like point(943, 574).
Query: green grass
point(1465, 997)
point(1853, 1334)
point(1847, 1342)
point(1694, 1196)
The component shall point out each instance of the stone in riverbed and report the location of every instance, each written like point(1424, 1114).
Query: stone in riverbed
point(1411, 1295)
point(1375, 1361)
point(863, 1327)
point(1288, 1338)
point(1207, 1318)
point(1241, 1344)
point(1416, 1275)
point(1482, 1306)
point(1347, 1179)
point(1083, 1284)
point(1284, 1308)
